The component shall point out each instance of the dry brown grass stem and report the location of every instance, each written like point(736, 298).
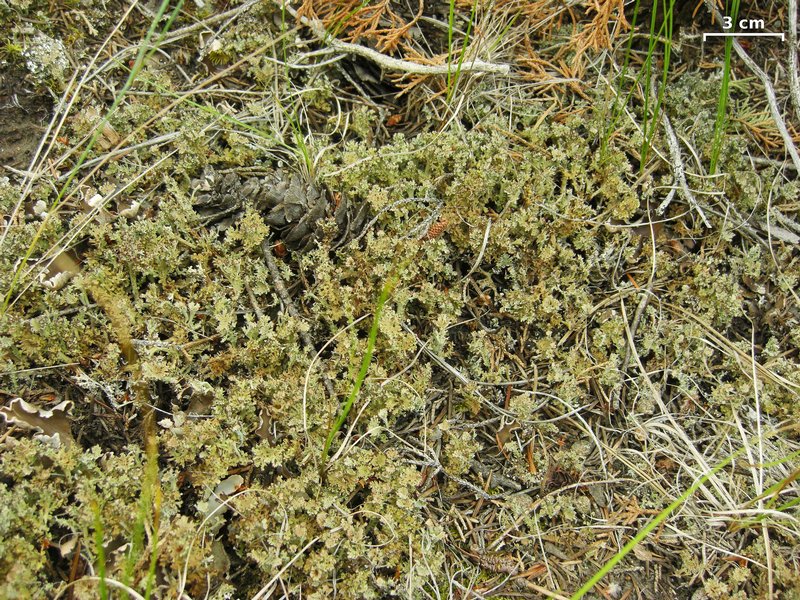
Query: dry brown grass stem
point(728, 346)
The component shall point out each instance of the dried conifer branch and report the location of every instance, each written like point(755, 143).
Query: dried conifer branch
point(363, 20)
point(596, 35)
point(768, 90)
point(389, 63)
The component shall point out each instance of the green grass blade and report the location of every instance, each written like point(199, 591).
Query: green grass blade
point(452, 84)
point(722, 103)
point(99, 549)
point(617, 106)
point(386, 291)
point(651, 121)
point(450, 25)
point(154, 505)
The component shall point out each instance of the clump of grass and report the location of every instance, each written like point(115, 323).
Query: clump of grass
point(764, 512)
point(453, 77)
point(660, 36)
point(664, 33)
point(618, 105)
point(149, 510)
point(722, 104)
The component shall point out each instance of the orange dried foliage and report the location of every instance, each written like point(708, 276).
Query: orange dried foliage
point(542, 16)
point(598, 35)
point(394, 120)
point(408, 81)
point(595, 24)
point(594, 28)
point(280, 249)
point(356, 20)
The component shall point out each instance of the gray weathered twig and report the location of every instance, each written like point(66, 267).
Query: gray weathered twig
point(678, 169)
point(286, 298)
point(680, 173)
point(794, 76)
point(389, 63)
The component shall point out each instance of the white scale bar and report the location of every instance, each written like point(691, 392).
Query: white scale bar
point(780, 35)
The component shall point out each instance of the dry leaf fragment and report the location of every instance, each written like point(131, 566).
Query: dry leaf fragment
point(215, 506)
point(51, 426)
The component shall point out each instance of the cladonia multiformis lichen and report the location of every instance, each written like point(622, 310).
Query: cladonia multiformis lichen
point(558, 351)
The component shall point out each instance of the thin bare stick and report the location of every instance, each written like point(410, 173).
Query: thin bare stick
point(794, 76)
point(758, 479)
point(479, 259)
point(648, 292)
point(266, 589)
point(387, 62)
point(678, 170)
point(497, 478)
point(108, 581)
point(230, 15)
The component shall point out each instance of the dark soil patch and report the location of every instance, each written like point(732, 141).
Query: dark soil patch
point(24, 113)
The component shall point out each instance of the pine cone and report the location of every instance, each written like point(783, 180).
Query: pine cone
point(294, 208)
point(220, 201)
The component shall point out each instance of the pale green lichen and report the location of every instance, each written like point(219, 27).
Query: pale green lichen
point(46, 59)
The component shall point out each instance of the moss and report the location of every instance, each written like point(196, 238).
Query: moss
point(364, 521)
point(23, 525)
point(713, 294)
